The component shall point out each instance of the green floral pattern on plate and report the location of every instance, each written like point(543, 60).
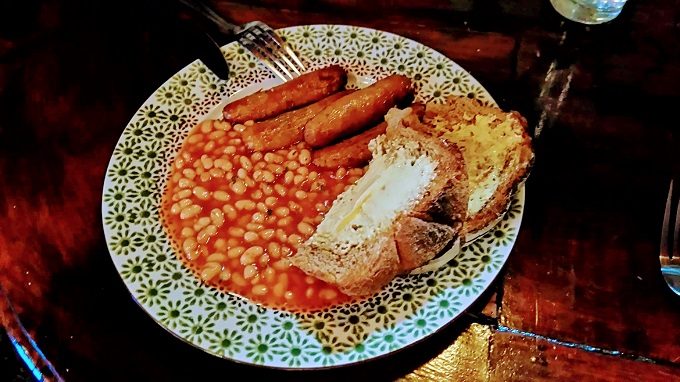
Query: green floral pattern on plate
point(407, 310)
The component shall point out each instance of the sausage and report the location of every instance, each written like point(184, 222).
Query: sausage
point(285, 129)
point(418, 109)
point(353, 112)
point(354, 152)
point(351, 152)
point(301, 91)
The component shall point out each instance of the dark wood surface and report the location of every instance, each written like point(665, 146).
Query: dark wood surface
point(581, 297)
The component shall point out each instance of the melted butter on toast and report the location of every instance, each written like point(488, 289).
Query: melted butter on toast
point(487, 145)
point(393, 183)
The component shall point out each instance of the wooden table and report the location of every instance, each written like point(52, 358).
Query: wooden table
point(581, 297)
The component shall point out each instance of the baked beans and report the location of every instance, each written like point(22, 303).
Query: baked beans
point(237, 215)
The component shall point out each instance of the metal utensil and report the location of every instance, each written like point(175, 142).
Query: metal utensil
point(202, 44)
point(265, 44)
point(669, 253)
point(259, 39)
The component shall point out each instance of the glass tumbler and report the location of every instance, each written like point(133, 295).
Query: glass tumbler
point(589, 11)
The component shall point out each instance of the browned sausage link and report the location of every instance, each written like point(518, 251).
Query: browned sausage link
point(351, 152)
point(285, 129)
point(418, 109)
point(308, 88)
point(353, 112)
point(354, 152)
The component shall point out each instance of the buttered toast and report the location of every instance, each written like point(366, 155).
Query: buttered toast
point(497, 151)
point(446, 177)
point(399, 215)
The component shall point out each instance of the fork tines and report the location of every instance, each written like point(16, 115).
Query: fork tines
point(271, 49)
point(670, 237)
point(670, 230)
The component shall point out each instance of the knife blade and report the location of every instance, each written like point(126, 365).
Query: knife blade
point(202, 33)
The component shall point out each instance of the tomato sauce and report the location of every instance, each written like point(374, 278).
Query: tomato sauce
point(236, 216)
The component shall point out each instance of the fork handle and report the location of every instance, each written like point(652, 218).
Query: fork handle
point(203, 10)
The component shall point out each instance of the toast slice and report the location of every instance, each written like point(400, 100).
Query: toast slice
point(497, 152)
point(408, 206)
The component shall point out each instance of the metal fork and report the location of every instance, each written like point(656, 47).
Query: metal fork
point(271, 49)
point(669, 254)
point(261, 40)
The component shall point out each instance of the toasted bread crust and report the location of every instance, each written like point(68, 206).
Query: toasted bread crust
point(445, 201)
point(439, 216)
point(419, 241)
point(413, 238)
point(457, 109)
point(377, 266)
point(500, 201)
point(356, 272)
